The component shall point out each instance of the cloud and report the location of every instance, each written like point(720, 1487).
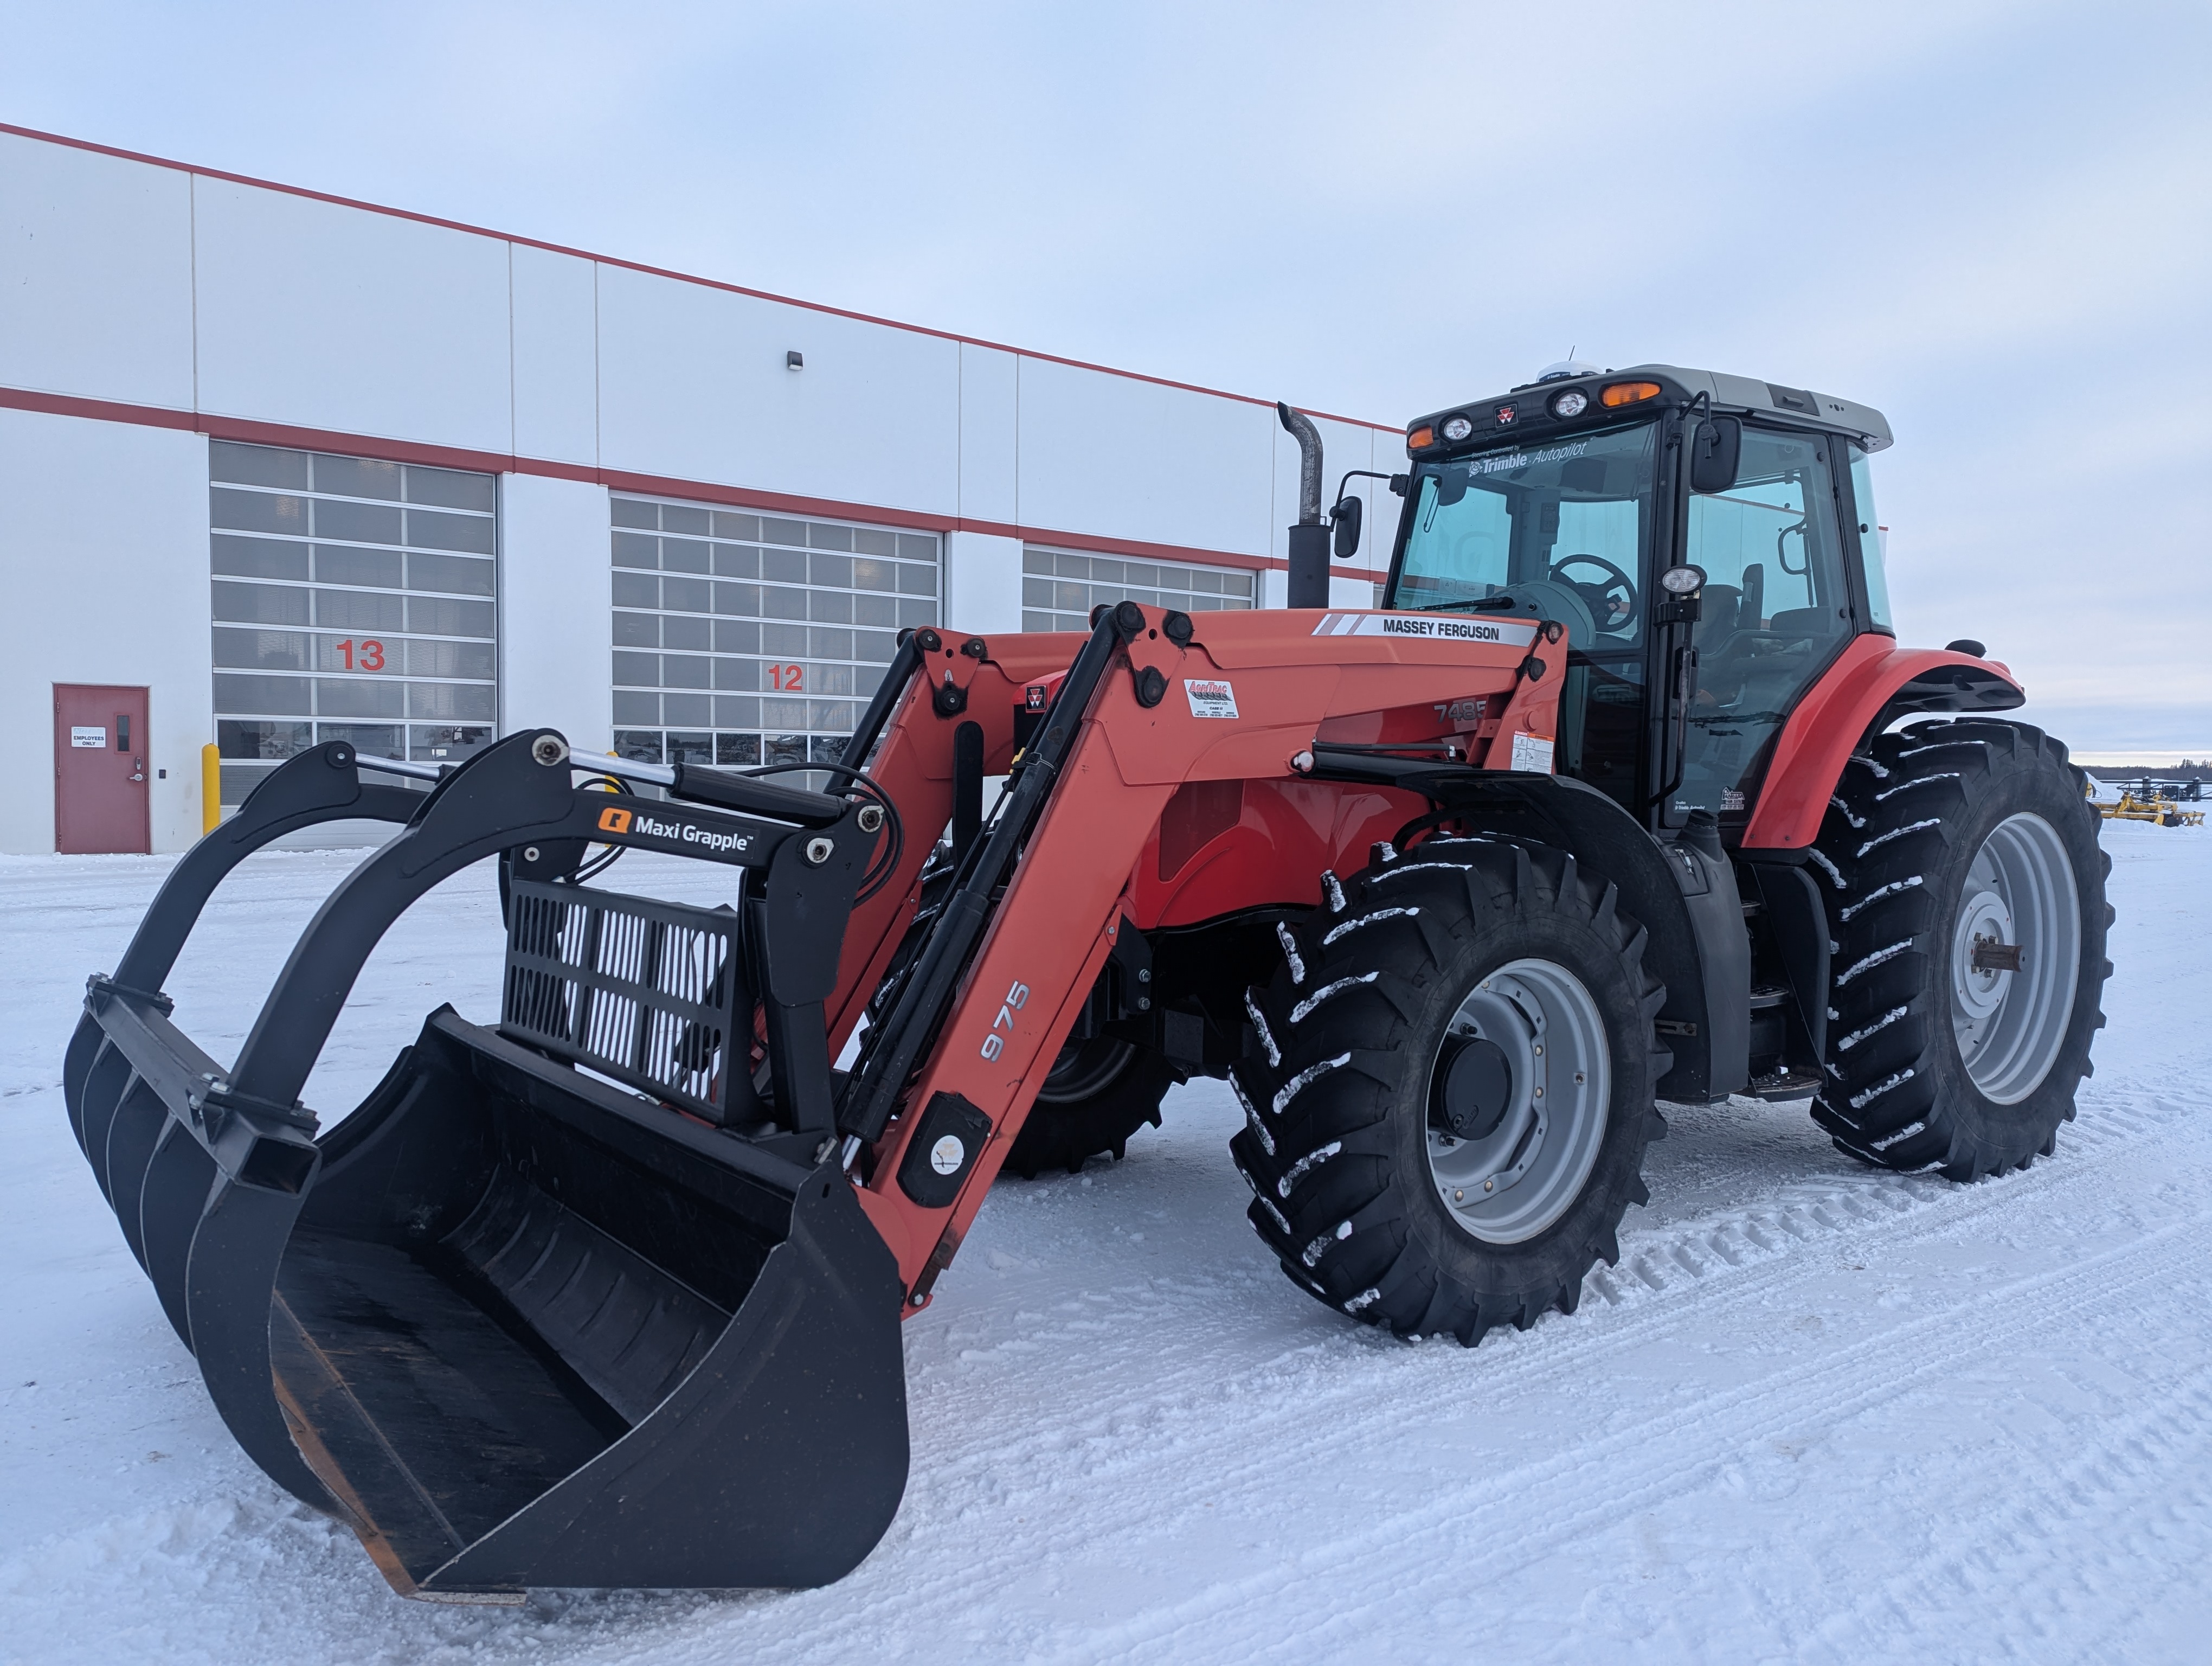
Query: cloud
point(1990, 220)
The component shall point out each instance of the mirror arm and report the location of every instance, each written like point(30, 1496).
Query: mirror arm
point(1351, 475)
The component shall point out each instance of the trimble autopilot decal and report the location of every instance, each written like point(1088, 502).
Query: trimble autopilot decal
point(1446, 627)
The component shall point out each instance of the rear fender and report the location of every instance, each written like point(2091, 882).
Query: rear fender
point(1872, 683)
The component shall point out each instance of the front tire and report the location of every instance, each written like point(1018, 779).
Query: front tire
point(1965, 893)
point(1099, 1093)
point(1412, 1041)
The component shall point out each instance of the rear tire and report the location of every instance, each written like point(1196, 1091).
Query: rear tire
point(1948, 846)
point(1100, 1092)
point(1369, 1204)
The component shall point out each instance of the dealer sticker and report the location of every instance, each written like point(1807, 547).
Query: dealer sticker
point(1209, 698)
point(1532, 752)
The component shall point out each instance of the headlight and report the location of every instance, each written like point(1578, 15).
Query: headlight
point(1458, 428)
point(1572, 402)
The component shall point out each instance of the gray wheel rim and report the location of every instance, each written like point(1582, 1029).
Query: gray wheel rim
point(2019, 893)
point(1517, 1182)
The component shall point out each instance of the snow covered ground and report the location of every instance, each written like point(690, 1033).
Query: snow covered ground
point(1815, 1414)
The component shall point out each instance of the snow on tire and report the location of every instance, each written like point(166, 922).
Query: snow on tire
point(1965, 894)
point(1453, 1119)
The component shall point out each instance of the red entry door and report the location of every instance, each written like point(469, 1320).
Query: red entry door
point(99, 769)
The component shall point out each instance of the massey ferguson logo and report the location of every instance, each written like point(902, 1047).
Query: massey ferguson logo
point(1465, 630)
point(1036, 695)
point(1449, 627)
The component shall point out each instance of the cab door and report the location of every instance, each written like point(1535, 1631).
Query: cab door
point(100, 805)
point(1777, 609)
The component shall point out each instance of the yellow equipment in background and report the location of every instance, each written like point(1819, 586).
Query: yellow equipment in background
point(2151, 806)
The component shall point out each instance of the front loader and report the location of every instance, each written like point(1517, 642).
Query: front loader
point(1605, 803)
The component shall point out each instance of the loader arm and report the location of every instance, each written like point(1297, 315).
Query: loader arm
point(608, 1293)
point(1155, 700)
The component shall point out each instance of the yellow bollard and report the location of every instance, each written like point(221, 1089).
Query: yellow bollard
point(211, 788)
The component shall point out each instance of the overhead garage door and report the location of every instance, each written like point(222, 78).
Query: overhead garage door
point(1060, 588)
point(354, 600)
point(754, 639)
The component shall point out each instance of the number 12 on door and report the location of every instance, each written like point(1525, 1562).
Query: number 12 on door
point(787, 679)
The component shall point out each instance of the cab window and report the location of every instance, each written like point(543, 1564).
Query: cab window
point(1558, 529)
point(1870, 539)
point(1776, 607)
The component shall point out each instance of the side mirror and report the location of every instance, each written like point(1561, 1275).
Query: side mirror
point(1344, 518)
point(1715, 454)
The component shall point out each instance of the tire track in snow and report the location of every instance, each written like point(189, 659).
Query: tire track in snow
point(2096, 1511)
point(1809, 1216)
point(1183, 1411)
point(1842, 1385)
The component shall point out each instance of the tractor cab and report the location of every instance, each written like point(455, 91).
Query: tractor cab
point(1575, 498)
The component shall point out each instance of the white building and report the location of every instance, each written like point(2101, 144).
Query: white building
point(277, 467)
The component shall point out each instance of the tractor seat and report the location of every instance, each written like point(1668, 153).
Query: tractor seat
point(1804, 622)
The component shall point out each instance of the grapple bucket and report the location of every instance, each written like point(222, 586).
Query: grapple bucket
point(516, 1322)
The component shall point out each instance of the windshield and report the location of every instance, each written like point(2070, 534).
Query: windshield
point(1559, 528)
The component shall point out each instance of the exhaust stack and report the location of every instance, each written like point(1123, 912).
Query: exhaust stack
point(1309, 544)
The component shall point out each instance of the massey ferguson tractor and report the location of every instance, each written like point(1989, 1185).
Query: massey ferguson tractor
point(1624, 793)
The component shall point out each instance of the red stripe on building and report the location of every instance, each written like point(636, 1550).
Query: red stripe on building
point(698, 491)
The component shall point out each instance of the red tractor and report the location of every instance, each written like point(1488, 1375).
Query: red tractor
point(1610, 800)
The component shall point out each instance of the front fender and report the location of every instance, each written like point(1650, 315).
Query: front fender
point(1872, 681)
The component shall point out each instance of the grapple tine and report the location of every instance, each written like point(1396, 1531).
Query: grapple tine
point(175, 1196)
point(517, 1325)
point(93, 1096)
point(132, 1135)
point(80, 1065)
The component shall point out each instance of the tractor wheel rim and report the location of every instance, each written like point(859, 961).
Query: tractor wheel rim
point(1517, 1182)
point(2019, 893)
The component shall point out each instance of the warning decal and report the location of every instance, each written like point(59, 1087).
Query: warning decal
point(1450, 626)
point(1532, 753)
point(1209, 697)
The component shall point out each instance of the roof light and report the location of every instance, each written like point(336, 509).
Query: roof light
point(1420, 437)
point(1457, 428)
point(1572, 402)
point(1628, 393)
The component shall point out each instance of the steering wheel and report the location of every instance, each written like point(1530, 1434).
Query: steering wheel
point(1614, 579)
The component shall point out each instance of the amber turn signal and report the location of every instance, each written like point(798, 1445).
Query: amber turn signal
point(1628, 393)
point(1419, 437)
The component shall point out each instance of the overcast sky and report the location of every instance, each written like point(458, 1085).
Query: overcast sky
point(1993, 221)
